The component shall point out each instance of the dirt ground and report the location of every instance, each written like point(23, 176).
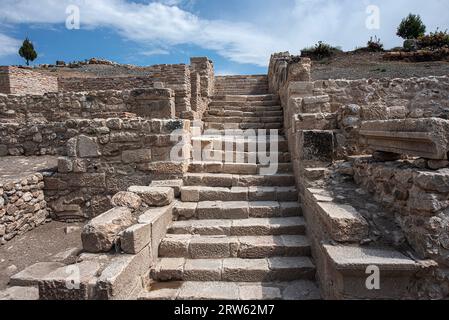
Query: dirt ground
point(372, 65)
point(38, 245)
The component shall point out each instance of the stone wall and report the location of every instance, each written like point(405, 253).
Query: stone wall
point(202, 80)
point(22, 206)
point(350, 229)
point(173, 76)
point(106, 156)
point(419, 199)
point(14, 80)
point(56, 107)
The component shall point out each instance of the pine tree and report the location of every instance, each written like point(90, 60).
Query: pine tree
point(27, 51)
point(411, 27)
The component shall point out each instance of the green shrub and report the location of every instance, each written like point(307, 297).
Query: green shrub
point(374, 45)
point(411, 27)
point(320, 51)
point(434, 40)
point(27, 51)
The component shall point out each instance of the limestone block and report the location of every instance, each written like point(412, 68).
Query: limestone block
point(74, 282)
point(20, 293)
point(317, 146)
point(135, 238)
point(121, 277)
point(31, 275)
point(427, 138)
point(100, 234)
point(154, 196)
point(87, 147)
point(175, 184)
point(136, 156)
point(126, 199)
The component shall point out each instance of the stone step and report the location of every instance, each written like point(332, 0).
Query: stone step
point(220, 247)
point(234, 269)
point(237, 113)
point(245, 109)
point(243, 125)
point(210, 210)
point(241, 144)
point(231, 180)
point(242, 227)
point(219, 290)
point(244, 157)
point(240, 133)
point(263, 103)
point(203, 193)
point(243, 119)
point(238, 168)
point(261, 97)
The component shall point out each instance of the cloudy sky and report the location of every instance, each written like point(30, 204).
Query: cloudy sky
point(239, 35)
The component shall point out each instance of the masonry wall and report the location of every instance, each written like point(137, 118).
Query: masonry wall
point(173, 76)
point(22, 206)
point(14, 80)
point(56, 107)
point(106, 156)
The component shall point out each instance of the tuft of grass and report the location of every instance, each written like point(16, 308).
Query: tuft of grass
point(320, 51)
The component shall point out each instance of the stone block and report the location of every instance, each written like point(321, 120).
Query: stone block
point(135, 238)
point(32, 274)
point(427, 138)
point(136, 156)
point(175, 184)
point(20, 294)
point(316, 145)
point(121, 277)
point(202, 270)
point(154, 196)
point(101, 233)
point(87, 147)
point(74, 282)
point(126, 199)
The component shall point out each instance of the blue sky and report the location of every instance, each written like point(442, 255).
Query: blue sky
point(238, 35)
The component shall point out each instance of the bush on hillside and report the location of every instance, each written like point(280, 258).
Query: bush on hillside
point(434, 40)
point(320, 51)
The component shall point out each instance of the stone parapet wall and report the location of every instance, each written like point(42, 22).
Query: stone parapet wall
point(56, 107)
point(22, 206)
point(104, 157)
point(15, 80)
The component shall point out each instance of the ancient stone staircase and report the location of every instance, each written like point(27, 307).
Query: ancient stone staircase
point(238, 233)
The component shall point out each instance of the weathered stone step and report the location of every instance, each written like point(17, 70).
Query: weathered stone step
point(219, 290)
point(206, 210)
point(245, 109)
point(243, 119)
point(242, 144)
point(234, 269)
point(203, 193)
point(244, 157)
point(243, 125)
point(231, 180)
point(242, 227)
point(263, 103)
point(237, 113)
point(220, 247)
point(237, 168)
point(240, 133)
point(243, 98)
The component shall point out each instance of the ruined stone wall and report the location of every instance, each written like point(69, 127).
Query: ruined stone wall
point(56, 107)
point(202, 79)
point(173, 76)
point(22, 206)
point(106, 83)
point(14, 80)
point(107, 156)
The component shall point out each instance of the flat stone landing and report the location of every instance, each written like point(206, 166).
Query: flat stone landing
point(17, 168)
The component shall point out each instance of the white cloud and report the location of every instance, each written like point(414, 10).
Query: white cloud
point(251, 31)
point(155, 52)
point(8, 45)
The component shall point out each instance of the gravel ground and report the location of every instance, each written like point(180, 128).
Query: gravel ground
point(371, 65)
point(348, 65)
point(37, 245)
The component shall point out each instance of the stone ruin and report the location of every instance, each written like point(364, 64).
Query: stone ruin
point(362, 183)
